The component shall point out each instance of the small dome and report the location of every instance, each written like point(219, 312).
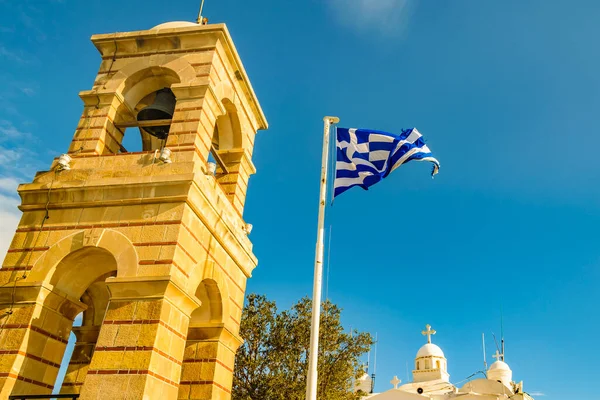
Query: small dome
point(365, 377)
point(499, 365)
point(175, 24)
point(500, 371)
point(429, 350)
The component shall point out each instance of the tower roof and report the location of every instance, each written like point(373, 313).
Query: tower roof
point(429, 350)
point(175, 24)
point(188, 37)
point(499, 365)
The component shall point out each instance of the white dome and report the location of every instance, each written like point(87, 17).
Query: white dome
point(499, 365)
point(365, 377)
point(175, 24)
point(363, 383)
point(500, 371)
point(429, 350)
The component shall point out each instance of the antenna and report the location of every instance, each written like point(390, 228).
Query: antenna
point(502, 331)
point(368, 360)
point(374, 365)
point(199, 19)
point(495, 341)
point(483, 344)
point(375, 355)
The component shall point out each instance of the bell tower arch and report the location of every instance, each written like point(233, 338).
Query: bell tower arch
point(150, 243)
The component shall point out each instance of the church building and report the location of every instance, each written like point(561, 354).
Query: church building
point(432, 381)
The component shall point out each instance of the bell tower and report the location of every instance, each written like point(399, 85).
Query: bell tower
point(149, 244)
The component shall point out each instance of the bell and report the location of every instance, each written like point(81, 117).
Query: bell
point(162, 108)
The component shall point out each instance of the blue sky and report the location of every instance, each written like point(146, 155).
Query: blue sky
point(507, 94)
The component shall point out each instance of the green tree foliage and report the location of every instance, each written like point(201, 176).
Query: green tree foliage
point(272, 362)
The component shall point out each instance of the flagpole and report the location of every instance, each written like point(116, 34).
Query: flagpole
point(311, 378)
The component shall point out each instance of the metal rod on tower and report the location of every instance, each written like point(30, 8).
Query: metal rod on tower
point(199, 20)
point(483, 344)
point(496, 342)
point(374, 365)
point(502, 332)
point(375, 355)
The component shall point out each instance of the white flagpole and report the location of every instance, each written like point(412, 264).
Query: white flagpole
point(311, 378)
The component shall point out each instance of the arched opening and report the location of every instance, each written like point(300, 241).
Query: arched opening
point(438, 364)
point(228, 132)
point(211, 308)
point(427, 364)
point(203, 344)
point(227, 136)
point(81, 276)
point(418, 365)
point(139, 92)
point(65, 363)
point(76, 272)
point(83, 337)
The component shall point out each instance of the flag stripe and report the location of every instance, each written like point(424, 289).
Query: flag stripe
point(364, 157)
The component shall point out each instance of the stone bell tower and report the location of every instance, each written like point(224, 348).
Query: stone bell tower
point(150, 243)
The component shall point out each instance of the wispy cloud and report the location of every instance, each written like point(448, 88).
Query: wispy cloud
point(20, 162)
point(28, 91)
point(537, 394)
point(8, 184)
point(17, 155)
point(385, 16)
point(9, 215)
point(14, 89)
point(9, 131)
point(12, 56)
point(17, 164)
point(8, 156)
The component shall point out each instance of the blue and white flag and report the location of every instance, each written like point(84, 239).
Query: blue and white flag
point(364, 157)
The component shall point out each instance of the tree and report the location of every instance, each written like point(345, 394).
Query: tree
point(272, 362)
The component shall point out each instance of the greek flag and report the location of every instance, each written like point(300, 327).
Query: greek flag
point(364, 157)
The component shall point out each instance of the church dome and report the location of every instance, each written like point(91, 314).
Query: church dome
point(430, 350)
point(175, 24)
point(499, 365)
point(363, 383)
point(500, 371)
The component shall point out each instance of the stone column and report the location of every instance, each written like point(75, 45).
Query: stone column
point(87, 336)
point(208, 362)
point(142, 339)
point(193, 121)
point(235, 183)
point(35, 323)
point(96, 133)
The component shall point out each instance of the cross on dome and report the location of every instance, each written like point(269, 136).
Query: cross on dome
point(428, 332)
point(395, 382)
point(498, 356)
